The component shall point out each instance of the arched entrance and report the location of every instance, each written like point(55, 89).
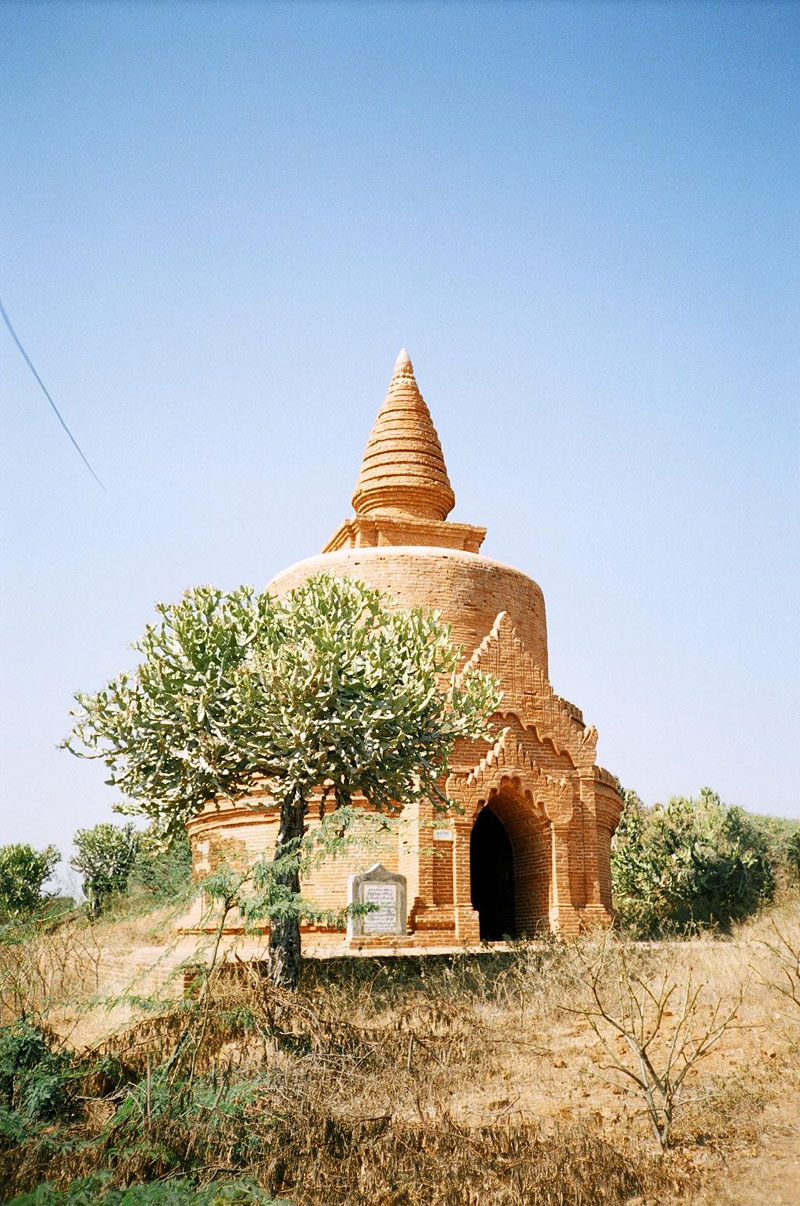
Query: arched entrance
point(491, 865)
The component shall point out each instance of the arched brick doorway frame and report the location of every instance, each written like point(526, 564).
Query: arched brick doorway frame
point(529, 832)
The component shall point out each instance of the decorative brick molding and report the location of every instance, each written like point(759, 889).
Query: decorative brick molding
point(527, 692)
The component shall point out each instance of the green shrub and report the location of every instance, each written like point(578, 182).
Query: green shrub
point(35, 1081)
point(23, 872)
point(782, 837)
point(89, 1190)
point(688, 863)
point(793, 854)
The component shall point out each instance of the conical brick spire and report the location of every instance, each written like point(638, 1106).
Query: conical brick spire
point(403, 470)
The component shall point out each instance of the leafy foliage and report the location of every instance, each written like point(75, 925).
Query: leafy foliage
point(105, 855)
point(782, 838)
point(326, 688)
point(180, 1192)
point(686, 863)
point(793, 854)
point(23, 872)
point(323, 686)
point(35, 1081)
point(162, 871)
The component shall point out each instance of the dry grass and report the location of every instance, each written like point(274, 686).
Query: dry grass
point(47, 965)
point(83, 978)
point(451, 1080)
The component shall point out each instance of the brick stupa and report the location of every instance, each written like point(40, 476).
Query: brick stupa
point(529, 848)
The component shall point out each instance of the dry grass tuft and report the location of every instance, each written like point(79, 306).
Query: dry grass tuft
point(449, 1080)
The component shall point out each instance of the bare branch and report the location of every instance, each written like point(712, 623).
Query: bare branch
point(662, 1051)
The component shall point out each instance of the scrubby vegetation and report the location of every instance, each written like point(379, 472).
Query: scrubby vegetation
point(276, 1087)
point(23, 874)
point(105, 854)
point(436, 1081)
point(35, 1081)
point(161, 873)
point(553, 1072)
point(693, 863)
point(89, 1190)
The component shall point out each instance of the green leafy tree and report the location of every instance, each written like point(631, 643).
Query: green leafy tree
point(23, 873)
point(325, 688)
point(686, 863)
point(105, 855)
point(782, 838)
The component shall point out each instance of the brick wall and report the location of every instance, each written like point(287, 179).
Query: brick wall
point(558, 808)
point(469, 590)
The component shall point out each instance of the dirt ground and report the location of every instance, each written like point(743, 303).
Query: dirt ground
point(737, 1138)
point(766, 1173)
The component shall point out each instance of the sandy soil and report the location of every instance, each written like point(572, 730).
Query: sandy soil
point(766, 1172)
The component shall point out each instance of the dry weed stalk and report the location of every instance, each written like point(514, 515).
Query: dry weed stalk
point(42, 965)
point(786, 952)
point(664, 1026)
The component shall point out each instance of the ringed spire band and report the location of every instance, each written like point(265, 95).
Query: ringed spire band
point(403, 470)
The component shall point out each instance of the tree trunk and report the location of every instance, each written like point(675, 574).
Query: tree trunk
point(284, 937)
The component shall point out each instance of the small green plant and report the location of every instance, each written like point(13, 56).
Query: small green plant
point(23, 873)
point(90, 1190)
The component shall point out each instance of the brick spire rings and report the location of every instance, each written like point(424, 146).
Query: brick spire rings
point(403, 470)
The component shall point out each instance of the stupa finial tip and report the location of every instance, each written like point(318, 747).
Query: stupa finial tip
point(403, 363)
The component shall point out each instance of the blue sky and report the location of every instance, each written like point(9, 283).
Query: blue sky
point(221, 222)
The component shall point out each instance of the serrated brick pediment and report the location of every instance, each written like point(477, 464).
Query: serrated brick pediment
point(527, 693)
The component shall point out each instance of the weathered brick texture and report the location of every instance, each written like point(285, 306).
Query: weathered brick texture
point(539, 774)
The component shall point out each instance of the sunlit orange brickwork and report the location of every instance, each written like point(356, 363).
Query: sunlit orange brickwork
point(539, 859)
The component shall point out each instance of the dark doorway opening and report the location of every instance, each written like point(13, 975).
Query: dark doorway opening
point(491, 865)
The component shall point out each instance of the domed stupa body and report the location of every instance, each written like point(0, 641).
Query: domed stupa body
point(528, 847)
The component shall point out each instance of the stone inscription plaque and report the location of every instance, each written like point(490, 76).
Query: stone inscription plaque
point(384, 919)
point(386, 891)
